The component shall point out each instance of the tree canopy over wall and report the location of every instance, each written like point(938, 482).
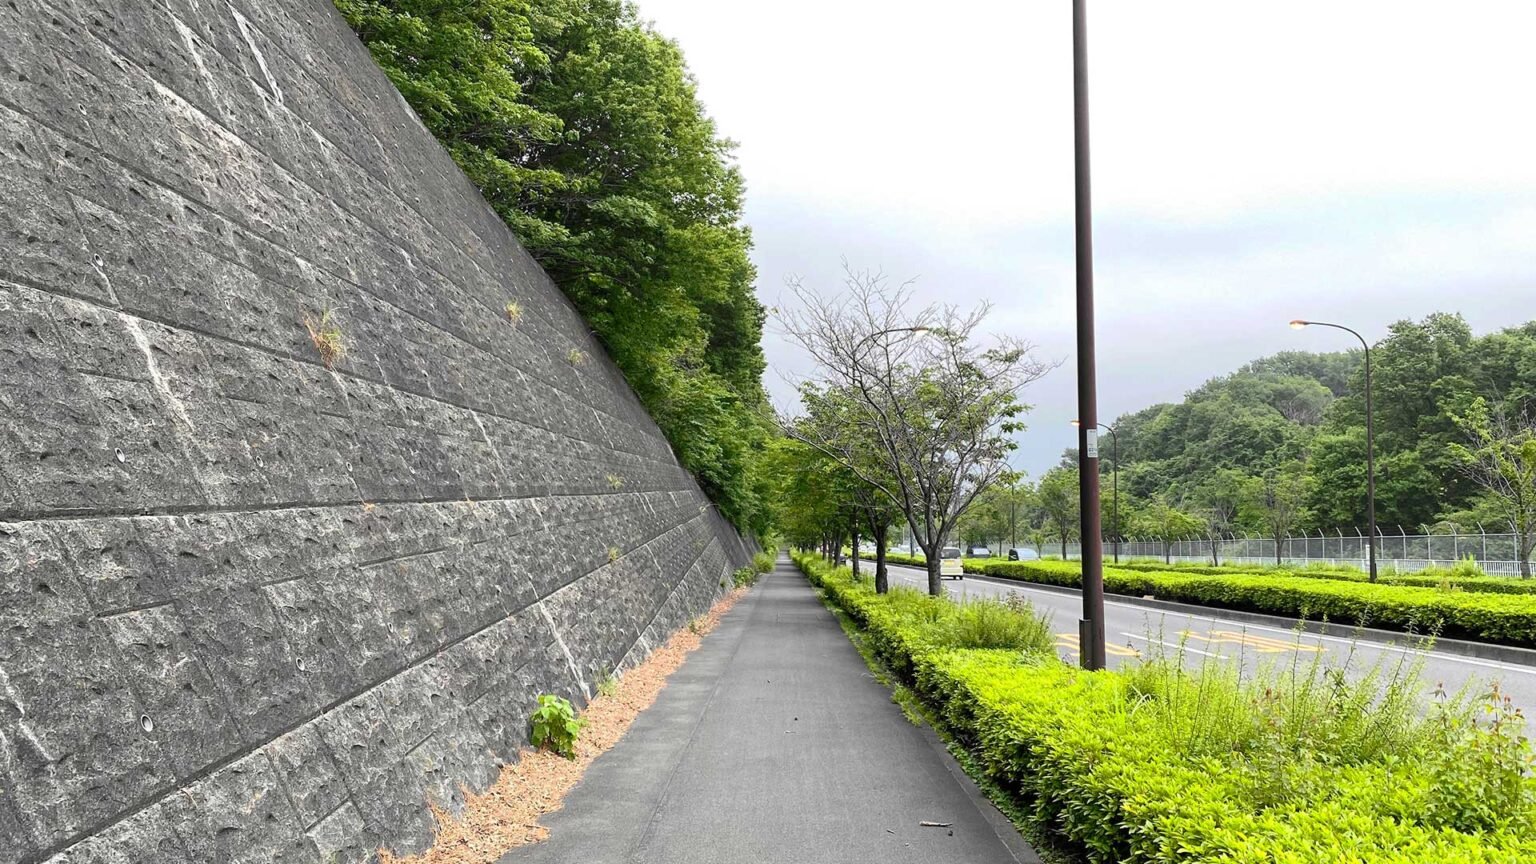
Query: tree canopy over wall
point(582, 128)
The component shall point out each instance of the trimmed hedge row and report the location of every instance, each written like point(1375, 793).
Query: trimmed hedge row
point(1501, 618)
point(1453, 577)
point(1099, 773)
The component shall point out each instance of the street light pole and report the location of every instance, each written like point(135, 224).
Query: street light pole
point(1091, 627)
point(1370, 436)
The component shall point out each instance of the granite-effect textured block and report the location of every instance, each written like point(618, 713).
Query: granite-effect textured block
point(257, 604)
point(178, 696)
point(240, 814)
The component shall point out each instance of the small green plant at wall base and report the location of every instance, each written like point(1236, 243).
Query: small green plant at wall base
point(607, 685)
point(696, 626)
point(555, 726)
point(762, 562)
point(326, 336)
point(577, 357)
point(613, 554)
point(745, 577)
point(514, 312)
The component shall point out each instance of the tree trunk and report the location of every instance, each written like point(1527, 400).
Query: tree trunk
point(1215, 558)
point(854, 530)
point(1525, 540)
point(882, 579)
point(1167, 552)
point(1278, 541)
point(935, 585)
point(1063, 545)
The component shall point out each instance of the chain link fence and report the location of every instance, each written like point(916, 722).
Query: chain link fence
point(1496, 554)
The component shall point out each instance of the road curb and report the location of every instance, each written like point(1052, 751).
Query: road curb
point(1461, 647)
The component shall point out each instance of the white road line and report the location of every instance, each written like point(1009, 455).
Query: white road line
point(1175, 645)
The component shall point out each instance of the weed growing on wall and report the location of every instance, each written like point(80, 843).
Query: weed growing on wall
point(327, 336)
point(615, 482)
point(514, 312)
point(555, 726)
point(577, 357)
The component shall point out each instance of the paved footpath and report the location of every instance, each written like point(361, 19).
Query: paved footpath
point(774, 745)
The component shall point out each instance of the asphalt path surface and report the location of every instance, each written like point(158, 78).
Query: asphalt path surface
point(774, 743)
point(1135, 631)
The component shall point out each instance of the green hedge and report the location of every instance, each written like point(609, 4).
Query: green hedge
point(1412, 607)
point(1502, 618)
point(1092, 757)
point(1453, 578)
point(1460, 577)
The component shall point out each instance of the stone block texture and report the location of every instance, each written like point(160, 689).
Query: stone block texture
point(255, 607)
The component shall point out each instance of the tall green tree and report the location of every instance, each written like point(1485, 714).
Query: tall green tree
point(1057, 497)
point(1276, 501)
point(1219, 499)
point(1164, 520)
point(1501, 460)
point(582, 128)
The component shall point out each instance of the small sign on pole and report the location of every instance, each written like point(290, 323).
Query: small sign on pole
point(1093, 445)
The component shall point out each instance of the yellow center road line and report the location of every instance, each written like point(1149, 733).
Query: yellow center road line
point(1071, 642)
point(1261, 644)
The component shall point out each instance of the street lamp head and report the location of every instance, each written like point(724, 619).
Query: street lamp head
point(1077, 422)
point(1299, 324)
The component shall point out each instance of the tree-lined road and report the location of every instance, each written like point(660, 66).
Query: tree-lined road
point(1135, 631)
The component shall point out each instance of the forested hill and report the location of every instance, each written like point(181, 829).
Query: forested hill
point(1302, 415)
point(1265, 413)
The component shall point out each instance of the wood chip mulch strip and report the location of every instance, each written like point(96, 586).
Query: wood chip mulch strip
point(506, 814)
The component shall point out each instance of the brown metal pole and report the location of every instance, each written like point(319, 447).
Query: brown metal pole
point(1091, 628)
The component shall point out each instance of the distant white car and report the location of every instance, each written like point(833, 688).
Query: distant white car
point(1023, 555)
point(950, 563)
point(975, 551)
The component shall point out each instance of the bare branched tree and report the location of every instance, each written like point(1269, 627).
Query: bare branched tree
point(909, 400)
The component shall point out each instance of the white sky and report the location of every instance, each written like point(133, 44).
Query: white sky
point(1352, 160)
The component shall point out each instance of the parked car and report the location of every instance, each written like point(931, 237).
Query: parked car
point(950, 563)
point(976, 551)
point(1023, 555)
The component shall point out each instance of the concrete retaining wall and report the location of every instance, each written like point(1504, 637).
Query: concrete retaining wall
point(254, 607)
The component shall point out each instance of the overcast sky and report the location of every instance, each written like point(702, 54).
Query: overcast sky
point(1344, 160)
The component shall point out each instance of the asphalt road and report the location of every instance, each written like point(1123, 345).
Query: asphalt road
point(1136, 631)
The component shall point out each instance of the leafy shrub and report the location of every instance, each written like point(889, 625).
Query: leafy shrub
point(746, 577)
point(762, 562)
point(555, 726)
point(1165, 764)
point(987, 623)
